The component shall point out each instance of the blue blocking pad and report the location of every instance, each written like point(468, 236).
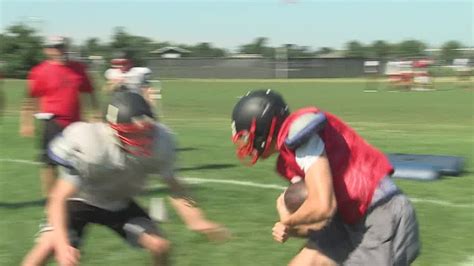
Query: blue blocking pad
point(445, 165)
point(416, 171)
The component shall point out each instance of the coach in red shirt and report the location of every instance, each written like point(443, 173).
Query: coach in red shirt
point(57, 84)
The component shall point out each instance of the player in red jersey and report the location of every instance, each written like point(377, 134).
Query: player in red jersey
point(353, 214)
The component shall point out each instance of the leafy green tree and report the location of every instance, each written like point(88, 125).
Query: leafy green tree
point(137, 47)
point(411, 48)
point(449, 51)
point(380, 49)
point(20, 49)
point(206, 49)
point(295, 51)
point(258, 46)
point(355, 49)
point(324, 51)
point(92, 46)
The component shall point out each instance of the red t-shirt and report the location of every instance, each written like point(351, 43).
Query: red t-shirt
point(58, 87)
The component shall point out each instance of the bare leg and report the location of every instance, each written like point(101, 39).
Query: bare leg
point(158, 247)
point(41, 251)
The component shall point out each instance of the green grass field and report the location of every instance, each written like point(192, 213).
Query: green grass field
point(438, 122)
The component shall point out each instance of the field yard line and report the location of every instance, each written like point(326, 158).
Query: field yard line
point(233, 182)
point(468, 262)
point(301, 80)
point(19, 161)
point(196, 180)
point(278, 187)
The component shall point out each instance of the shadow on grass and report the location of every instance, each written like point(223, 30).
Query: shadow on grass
point(207, 167)
point(187, 149)
point(22, 204)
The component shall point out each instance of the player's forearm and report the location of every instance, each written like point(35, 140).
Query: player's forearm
point(311, 212)
point(26, 112)
point(154, 93)
point(304, 229)
point(187, 210)
point(149, 96)
point(57, 218)
point(183, 203)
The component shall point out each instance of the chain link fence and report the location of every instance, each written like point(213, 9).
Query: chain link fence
point(256, 68)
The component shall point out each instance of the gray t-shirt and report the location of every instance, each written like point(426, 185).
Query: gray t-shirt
point(107, 176)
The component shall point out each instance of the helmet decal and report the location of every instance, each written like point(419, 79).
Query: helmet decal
point(234, 130)
point(112, 114)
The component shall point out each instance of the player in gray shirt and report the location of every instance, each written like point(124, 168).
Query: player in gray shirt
point(103, 166)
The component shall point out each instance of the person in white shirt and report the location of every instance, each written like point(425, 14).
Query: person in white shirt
point(123, 75)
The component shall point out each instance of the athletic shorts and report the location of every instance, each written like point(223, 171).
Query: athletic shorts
point(50, 130)
point(387, 235)
point(128, 223)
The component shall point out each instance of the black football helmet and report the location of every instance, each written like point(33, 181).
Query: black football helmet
point(256, 120)
point(132, 119)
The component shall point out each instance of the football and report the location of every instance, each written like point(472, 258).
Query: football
point(295, 195)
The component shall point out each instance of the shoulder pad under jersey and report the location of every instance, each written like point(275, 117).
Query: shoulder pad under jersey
point(303, 128)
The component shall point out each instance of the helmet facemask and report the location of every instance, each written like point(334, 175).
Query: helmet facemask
point(136, 137)
point(249, 146)
point(122, 64)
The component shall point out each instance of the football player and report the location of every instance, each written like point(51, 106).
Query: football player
point(123, 75)
point(103, 167)
point(353, 214)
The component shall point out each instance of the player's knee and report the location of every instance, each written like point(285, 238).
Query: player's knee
point(311, 258)
point(314, 262)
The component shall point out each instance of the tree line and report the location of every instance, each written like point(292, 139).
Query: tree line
point(20, 49)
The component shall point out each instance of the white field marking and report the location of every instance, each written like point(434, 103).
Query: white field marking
point(310, 80)
point(233, 182)
point(468, 262)
point(196, 180)
point(19, 161)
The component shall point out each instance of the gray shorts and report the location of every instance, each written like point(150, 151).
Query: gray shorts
point(388, 235)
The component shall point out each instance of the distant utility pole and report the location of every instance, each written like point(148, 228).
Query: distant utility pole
point(281, 63)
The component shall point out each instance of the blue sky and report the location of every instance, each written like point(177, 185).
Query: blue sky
point(228, 23)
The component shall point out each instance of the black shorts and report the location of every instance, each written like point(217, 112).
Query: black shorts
point(51, 129)
point(129, 223)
